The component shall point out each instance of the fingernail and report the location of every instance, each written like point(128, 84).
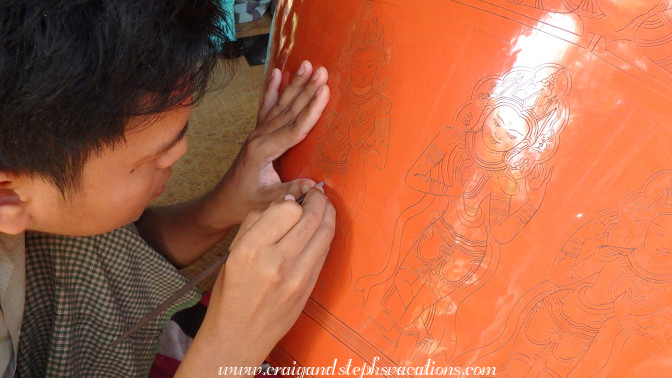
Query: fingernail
point(289, 197)
point(320, 186)
point(302, 68)
point(317, 73)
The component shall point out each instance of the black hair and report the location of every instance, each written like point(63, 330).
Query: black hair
point(73, 72)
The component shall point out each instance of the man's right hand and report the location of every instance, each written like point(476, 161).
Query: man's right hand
point(274, 263)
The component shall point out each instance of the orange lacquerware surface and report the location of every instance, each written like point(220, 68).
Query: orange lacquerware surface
point(502, 174)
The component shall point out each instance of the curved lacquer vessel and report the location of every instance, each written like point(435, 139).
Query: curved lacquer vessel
point(502, 174)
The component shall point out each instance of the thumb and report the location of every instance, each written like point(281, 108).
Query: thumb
point(297, 188)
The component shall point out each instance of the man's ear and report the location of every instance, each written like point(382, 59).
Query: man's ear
point(13, 211)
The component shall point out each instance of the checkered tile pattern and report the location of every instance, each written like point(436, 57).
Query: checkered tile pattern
point(82, 293)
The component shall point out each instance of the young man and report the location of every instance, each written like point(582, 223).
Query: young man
point(94, 102)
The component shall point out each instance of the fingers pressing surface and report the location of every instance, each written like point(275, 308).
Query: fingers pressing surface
point(304, 97)
point(270, 95)
point(294, 100)
point(296, 85)
point(274, 144)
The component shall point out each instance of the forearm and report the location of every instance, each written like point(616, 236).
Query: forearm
point(185, 231)
point(562, 269)
point(426, 184)
point(506, 225)
point(505, 230)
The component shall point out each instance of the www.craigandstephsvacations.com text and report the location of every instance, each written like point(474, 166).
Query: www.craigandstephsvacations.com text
point(429, 369)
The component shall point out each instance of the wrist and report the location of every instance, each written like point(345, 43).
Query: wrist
point(227, 348)
point(216, 211)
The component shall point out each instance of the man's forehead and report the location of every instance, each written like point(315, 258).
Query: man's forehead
point(158, 132)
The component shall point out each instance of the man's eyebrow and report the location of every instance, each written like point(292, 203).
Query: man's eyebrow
point(175, 141)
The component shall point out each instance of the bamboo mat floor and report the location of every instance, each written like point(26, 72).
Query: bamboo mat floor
point(218, 127)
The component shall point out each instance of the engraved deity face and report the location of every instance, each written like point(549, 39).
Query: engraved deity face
point(504, 128)
point(363, 67)
point(658, 241)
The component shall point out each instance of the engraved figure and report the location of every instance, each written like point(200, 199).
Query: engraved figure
point(651, 32)
point(647, 35)
point(482, 185)
point(584, 8)
point(610, 284)
point(358, 124)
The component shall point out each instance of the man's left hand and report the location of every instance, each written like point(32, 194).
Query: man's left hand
point(283, 121)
